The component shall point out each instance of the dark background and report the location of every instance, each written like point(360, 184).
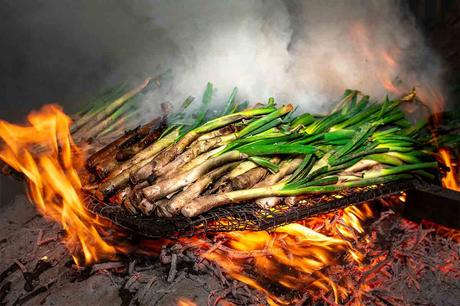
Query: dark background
point(52, 51)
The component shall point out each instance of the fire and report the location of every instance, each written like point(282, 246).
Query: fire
point(387, 64)
point(294, 255)
point(384, 61)
point(44, 152)
point(451, 179)
point(185, 302)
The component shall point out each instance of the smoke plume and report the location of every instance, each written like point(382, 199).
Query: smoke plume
point(303, 52)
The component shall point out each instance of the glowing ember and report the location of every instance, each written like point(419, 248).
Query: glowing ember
point(44, 152)
point(451, 180)
point(294, 255)
point(185, 302)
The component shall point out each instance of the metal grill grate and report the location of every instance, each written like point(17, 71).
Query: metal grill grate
point(246, 216)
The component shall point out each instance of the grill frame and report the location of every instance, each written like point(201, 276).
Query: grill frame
point(245, 216)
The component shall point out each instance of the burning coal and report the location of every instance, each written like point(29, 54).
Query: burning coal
point(293, 256)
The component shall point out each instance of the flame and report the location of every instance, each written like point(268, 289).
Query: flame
point(434, 99)
point(451, 180)
point(387, 66)
point(294, 255)
point(385, 61)
point(44, 152)
point(185, 302)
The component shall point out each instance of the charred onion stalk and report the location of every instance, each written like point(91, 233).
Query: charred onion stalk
point(205, 203)
point(181, 199)
point(285, 170)
point(120, 177)
point(262, 154)
point(113, 106)
point(179, 147)
point(163, 188)
point(196, 148)
point(139, 140)
point(109, 150)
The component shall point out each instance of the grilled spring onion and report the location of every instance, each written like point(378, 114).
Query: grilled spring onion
point(360, 143)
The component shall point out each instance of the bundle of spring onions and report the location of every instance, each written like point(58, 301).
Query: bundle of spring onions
point(190, 162)
point(115, 109)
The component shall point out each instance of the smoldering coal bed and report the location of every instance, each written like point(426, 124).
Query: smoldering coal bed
point(404, 262)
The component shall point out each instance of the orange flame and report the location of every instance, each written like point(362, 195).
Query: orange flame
point(44, 152)
point(185, 302)
point(387, 64)
point(385, 61)
point(294, 255)
point(451, 180)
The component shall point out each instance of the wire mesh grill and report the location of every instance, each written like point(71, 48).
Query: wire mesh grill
point(245, 216)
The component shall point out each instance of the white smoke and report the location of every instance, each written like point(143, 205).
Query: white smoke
point(302, 52)
point(306, 53)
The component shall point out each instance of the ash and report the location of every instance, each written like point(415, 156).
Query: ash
point(404, 264)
